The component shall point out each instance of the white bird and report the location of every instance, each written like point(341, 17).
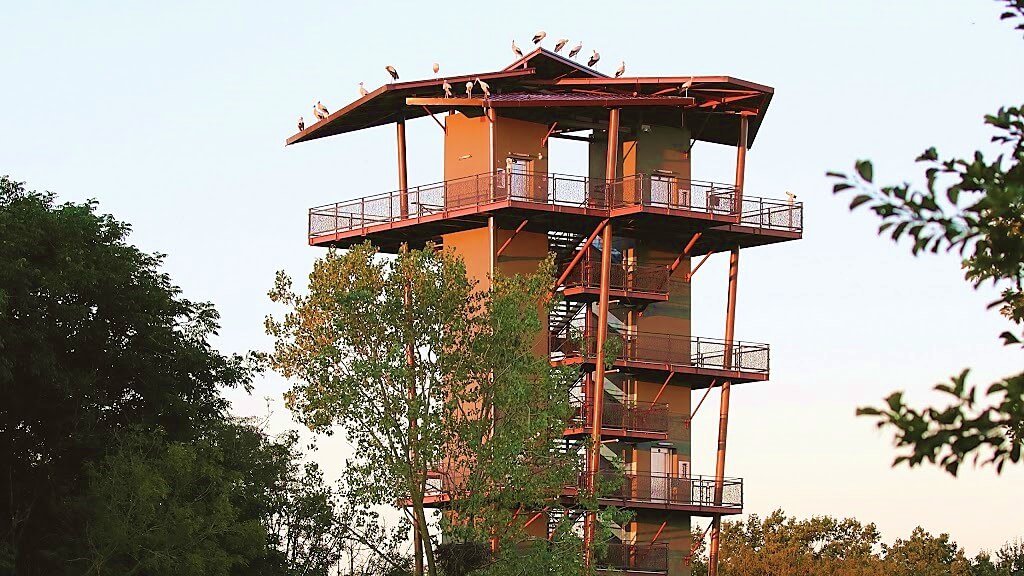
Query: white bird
point(320, 111)
point(362, 90)
point(593, 59)
point(518, 52)
point(391, 70)
point(437, 67)
point(485, 87)
point(685, 88)
point(575, 50)
point(561, 44)
point(447, 89)
point(621, 70)
point(539, 36)
point(791, 197)
point(302, 124)
point(469, 89)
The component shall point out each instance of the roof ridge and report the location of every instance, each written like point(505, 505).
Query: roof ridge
point(541, 51)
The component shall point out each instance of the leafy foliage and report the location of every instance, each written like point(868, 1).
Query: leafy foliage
point(973, 207)
point(427, 374)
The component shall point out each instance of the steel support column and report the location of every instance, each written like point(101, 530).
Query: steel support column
point(403, 171)
point(741, 164)
point(723, 418)
point(594, 456)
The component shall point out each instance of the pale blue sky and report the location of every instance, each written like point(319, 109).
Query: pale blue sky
point(174, 118)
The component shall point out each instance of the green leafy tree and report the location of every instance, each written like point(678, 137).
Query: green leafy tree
point(425, 373)
point(925, 555)
point(973, 207)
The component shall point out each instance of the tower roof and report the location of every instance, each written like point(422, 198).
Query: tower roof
point(546, 87)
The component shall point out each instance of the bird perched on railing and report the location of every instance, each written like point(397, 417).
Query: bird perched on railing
point(575, 50)
point(447, 89)
point(791, 198)
point(302, 124)
point(485, 87)
point(391, 70)
point(593, 59)
point(362, 90)
point(320, 111)
point(685, 88)
point(516, 50)
point(469, 89)
point(561, 44)
point(621, 70)
point(539, 37)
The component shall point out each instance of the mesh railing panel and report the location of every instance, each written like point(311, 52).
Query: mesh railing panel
point(626, 277)
point(632, 416)
point(634, 557)
point(681, 490)
point(671, 349)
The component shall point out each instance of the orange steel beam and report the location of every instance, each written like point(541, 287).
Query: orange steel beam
point(443, 127)
point(741, 164)
point(728, 99)
point(544, 140)
point(702, 398)
point(579, 254)
point(403, 171)
point(690, 274)
point(685, 252)
point(658, 533)
point(610, 100)
point(510, 238)
point(723, 419)
point(535, 516)
point(694, 546)
point(661, 390)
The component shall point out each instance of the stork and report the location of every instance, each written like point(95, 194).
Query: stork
point(447, 89)
point(575, 50)
point(391, 70)
point(437, 67)
point(518, 52)
point(561, 44)
point(302, 124)
point(485, 87)
point(791, 197)
point(539, 37)
point(362, 90)
point(469, 89)
point(621, 70)
point(320, 111)
point(593, 59)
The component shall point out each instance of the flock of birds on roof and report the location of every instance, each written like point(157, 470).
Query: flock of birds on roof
point(320, 111)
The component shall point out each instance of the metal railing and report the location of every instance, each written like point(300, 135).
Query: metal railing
point(668, 349)
point(633, 557)
point(552, 190)
point(628, 417)
point(698, 491)
point(644, 279)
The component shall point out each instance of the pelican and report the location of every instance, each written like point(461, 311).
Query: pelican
point(469, 89)
point(575, 50)
point(561, 44)
point(485, 87)
point(519, 53)
point(539, 37)
point(302, 124)
point(447, 89)
point(621, 70)
point(437, 67)
point(362, 91)
point(391, 70)
point(593, 59)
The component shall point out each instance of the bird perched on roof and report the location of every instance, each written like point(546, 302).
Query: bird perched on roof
point(575, 50)
point(561, 44)
point(320, 111)
point(302, 124)
point(447, 89)
point(485, 87)
point(685, 88)
point(539, 37)
point(469, 89)
point(518, 52)
point(437, 67)
point(621, 70)
point(391, 70)
point(362, 90)
point(593, 59)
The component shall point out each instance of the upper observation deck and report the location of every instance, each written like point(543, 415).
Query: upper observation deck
point(642, 205)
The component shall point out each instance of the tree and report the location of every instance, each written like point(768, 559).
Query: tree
point(426, 373)
point(975, 208)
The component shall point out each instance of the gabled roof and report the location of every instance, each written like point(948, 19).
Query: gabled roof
point(551, 66)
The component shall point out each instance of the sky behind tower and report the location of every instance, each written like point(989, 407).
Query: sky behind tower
point(173, 117)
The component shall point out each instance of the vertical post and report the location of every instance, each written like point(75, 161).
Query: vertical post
point(741, 164)
point(594, 457)
point(403, 174)
point(723, 418)
point(410, 360)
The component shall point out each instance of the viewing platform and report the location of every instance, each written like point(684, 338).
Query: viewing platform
point(631, 421)
point(694, 495)
point(633, 558)
point(628, 282)
point(643, 205)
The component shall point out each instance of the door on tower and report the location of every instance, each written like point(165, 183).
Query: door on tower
point(661, 467)
point(519, 172)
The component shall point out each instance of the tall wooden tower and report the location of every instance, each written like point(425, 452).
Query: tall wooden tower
point(623, 236)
